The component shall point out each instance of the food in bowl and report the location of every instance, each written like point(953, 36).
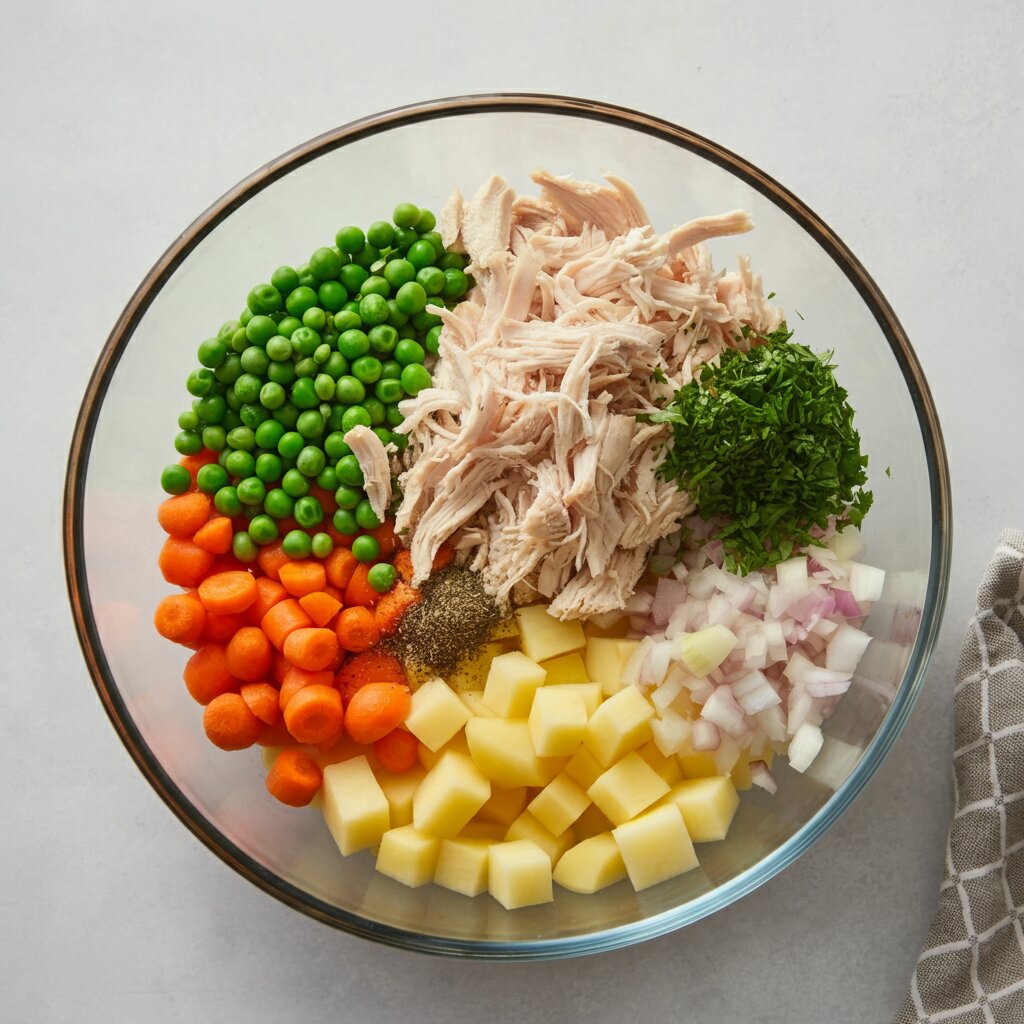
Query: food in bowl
point(520, 539)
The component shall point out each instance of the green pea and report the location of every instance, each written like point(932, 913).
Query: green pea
point(375, 286)
point(366, 257)
point(421, 254)
point(262, 529)
point(212, 352)
point(238, 342)
point(325, 263)
point(426, 222)
point(188, 442)
point(336, 365)
point(188, 420)
point(279, 349)
point(396, 318)
point(253, 414)
point(380, 234)
point(355, 416)
point(408, 331)
point(272, 396)
point(269, 434)
point(345, 522)
point(334, 445)
point(347, 320)
point(214, 438)
point(407, 352)
point(432, 342)
point(324, 386)
point(310, 423)
point(226, 501)
point(404, 237)
point(231, 419)
point(306, 367)
point(175, 479)
point(382, 577)
point(432, 280)
point(327, 479)
point(348, 497)
point(350, 239)
point(332, 296)
point(255, 360)
point(390, 369)
point(303, 394)
point(383, 338)
point(322, 354)
point(322, 545)
point(400, 441)
point(414, 379)
point(384, 435)
point(240, 463)
point(349, 472)
point(290, 445)
point(268, 468)
point(212, 409)
point(452, 261)
point(366, 369)
point(297, 544)
point(242, 439)
point(399, 272)
point(315, 319)
point(264, 299)
point(251, 491)
point(299, 300)
point(373, 308)
point(310, 461)
point(375, 410)
point(200, 382)
point(411, 298)
point(278, 504)
point(434, 238)
point(406, 215)
point(247, 387)
point(288, 326)
point(424, 320)
point(334, 417)
point(365, 516)
point(456, 284)
point(285, 279)
point(352, 278)
point(353, 343)
point(243, 547)
point(287, 416)
point(349, 390)
point(388, 391)
point(294, 484)
point(393, 416)
point(308, 512)
point(245, 316)
point(281, 373)
point(260, 329)
point(366, 549)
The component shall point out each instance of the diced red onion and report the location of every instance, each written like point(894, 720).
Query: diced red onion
point(761, 775)
point(705, 736)
point(669, 594)
point(754, 693)
point(773, 721)
point(639, 603)
point(845, 648)
point(845, 604)
point(679, 570)
point(634, 665)
point(826, 688)
point(723, 709)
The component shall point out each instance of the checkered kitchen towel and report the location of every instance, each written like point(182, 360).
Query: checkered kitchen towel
point(971, 970)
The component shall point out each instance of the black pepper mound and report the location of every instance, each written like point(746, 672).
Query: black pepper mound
point(454, 618)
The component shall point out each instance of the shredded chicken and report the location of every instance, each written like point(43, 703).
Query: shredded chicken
point(372, 457)
point(526, 452)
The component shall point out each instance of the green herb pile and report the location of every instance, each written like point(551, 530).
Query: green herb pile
point(764, 441)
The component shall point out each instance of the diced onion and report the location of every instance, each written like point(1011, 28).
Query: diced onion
point(804, 746)
point(866, 582)
point(754, 693)
point(761, 775)
point(705, 736)
point(845, 648)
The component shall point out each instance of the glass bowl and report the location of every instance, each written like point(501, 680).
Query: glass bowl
point(355, 174)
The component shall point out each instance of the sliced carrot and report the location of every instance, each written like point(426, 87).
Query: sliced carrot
point(358, 591)
point(315, 714)
point(320, 607)
point(285, 617)
point(215, 535)
point(270, 592)
point(249, 654)
point(271, 558)
point(281, 666)
point(393, 605)
point(180, 617)
point(311, 648)
point(182, 563)
point(403, 563)
point(296, 678)
point(340, 565)
point(385, 537)
point(228, 592)
point(334, 592)
point(301, 578)
point(227, 563)
point(276, 735)
point(221, 628)
point(357, 629)
point(444, 556)
point(326, 499)
point(373, 666)
point(341, 540)
point(376, 709)
point(398, 751)
point(207, 674)
point(183, 514)
point(262, 701)
point(294, 778)
point(229, 723)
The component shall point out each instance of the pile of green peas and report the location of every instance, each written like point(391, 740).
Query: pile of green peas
point(324, 347)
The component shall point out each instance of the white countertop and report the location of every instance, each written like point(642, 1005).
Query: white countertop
point(120, 123)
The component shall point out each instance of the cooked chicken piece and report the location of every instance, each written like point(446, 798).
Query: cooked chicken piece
point(486, 222)
point(373, 460)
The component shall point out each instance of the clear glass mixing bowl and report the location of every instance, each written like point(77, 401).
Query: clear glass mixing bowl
point(355, 174)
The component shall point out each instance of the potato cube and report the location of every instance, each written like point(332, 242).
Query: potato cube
point(707, 805)
point(605, 659)
point(542, 636)
point(626, 788)
point(559, 804)
point(486, 831)
point(519, 874)
point(621, 724)
point(566, 668)
point(697, 764)
point(584, 768)
point(511, 683)
point(428, 758)
point(471, 673)
point(449, 795)
point(355, 807)
point(504, 805)
point(462, 866)
point(507, 629)
point(667, 767)
point(474, 700)
point(526, 826)
point(591, 865)
point(557, 720)
point(503, 751)
point(590, 692)
point(655, 846)
point(408, 856)
point(740, 774)
point(593, 821)
point(436, 715)
point(399, 790)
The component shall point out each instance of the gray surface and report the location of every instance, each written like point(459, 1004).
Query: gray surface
point(903, 130)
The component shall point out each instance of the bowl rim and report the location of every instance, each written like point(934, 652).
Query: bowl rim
point(537, 949)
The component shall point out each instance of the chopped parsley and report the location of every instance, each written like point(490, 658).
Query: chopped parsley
point(764, 441)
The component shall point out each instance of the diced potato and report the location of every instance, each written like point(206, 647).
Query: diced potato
point(591, 865)
point(559, 804)
point(462, 866)
point(605, 659)
point(436, 714)
point(504, 805)
point(449, 795)
point(590, 692)
point(428, 758)
point(667, 767)
point(696, 764)
point(542, 636)
point(399, 790)
point(655, 846)
point(485, 831)
point(557, 720)
point(584, 768)
point(519, 874)
point(702, 652)
point(511, 684)
point(503, 751)
point(474, 700)
point(471, 673)
point(408, 856)
point(593, 821)
point(268, 755)
point(621, 724)
point(625, 789)
point(526, 826)
point(740, 774)
point(566, 668)
point(506, 630)
point(707, 805)
point(355, 807)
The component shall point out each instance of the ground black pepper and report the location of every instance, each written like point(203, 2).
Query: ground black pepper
point(454, 618)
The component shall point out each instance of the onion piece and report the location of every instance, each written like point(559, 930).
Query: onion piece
point(705, 736)
point(846, 604)
point(754, 693)
point(669, 594)
point(845, 648)
point(804, 746)
point(792, 576)
point(866, 582)
point(671, 732)
point(761, 775)
point(724, 710)
point(634, 664)
point(773, 721)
